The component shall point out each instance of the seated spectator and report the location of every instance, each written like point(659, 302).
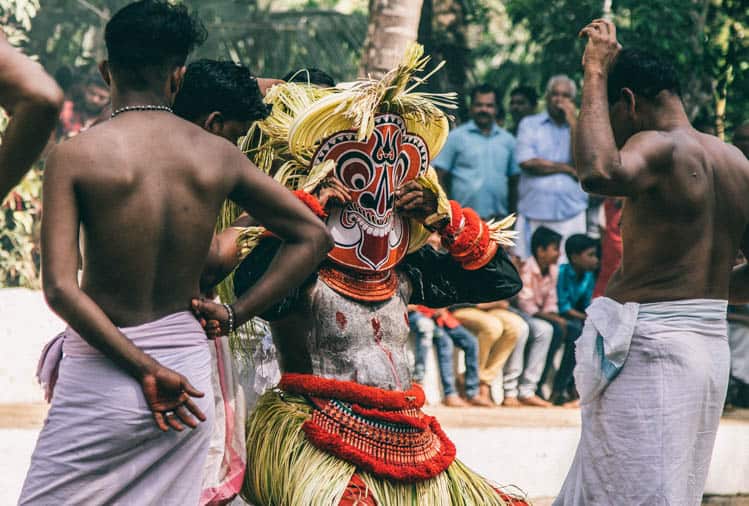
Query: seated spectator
point(445, 331)
point(574, 292)
point(86, 110)
point(738, 342)
point(538, 298)
point(498, 330)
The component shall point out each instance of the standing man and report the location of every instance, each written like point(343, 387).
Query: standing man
point(147, 205)
point(653, 360)
point(477, 164)
point(523, 102)
point(33, 100)
point(549, 192)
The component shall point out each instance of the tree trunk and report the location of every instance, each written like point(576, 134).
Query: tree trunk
point(393, 24)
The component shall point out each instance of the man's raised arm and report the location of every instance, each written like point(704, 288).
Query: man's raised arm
point(601, 167)
point(33, 100)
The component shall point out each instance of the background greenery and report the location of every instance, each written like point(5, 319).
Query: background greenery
point(505, 43)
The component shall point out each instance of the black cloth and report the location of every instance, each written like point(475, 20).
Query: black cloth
point(436, 279)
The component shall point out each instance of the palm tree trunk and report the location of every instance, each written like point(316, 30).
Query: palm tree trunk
point(393, 24)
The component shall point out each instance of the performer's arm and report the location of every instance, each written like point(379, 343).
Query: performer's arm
point(305, 241)
point(164, 389)
point(33, 100)
point(601, 167)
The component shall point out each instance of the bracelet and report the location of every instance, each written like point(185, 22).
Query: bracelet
point(230, 310)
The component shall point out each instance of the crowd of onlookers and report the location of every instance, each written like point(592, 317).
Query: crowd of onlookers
point(568, 247)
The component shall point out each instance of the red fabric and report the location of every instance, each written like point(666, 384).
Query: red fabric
point(348, 391)
point(445, 319)
point(311, 202)
point(357, 494)
point(511, 500)
point(611, 246)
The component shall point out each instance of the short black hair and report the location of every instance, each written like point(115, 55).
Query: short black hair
point(483, 89)
point(643, 73)
point(310, 75)
point(577, 243)
point(543, 237)
point(223, 86)
point(147, 39)
point(528, 92)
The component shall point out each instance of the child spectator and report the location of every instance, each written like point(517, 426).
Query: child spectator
point(574, 291)
point(538, 298)
point(444, 330)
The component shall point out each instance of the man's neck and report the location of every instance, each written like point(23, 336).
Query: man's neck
point(579, 272)
point(669, 115)
point(560, 121)
point(486, 129)
point(543, 267)
point(135, 98)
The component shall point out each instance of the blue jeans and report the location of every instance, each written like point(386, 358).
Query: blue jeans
point(426, 332)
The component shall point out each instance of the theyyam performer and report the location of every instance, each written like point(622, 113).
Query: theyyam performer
point(345, 424)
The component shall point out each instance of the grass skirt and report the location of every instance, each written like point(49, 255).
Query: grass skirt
point(285, 469)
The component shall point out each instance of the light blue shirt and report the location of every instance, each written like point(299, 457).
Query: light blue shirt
point(555, 197)
point(480, 166)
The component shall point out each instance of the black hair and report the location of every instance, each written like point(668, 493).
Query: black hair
point(222, 86)
point(643, 73)
point(528, 92)
point(310, 75)
point(543, 237)
point(482, 89)
point(65, 78)
point(577, 243)
point(95, 79)
point(148, 39)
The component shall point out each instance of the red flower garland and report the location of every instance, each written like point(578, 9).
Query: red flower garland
point(408, 473)
point(348, 391)
point(311, 201)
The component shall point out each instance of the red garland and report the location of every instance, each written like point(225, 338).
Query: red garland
point(392, 417)
point(484, 259)
point(335, 445)
point(348, 391)
point(311, 201)
point(478, 247)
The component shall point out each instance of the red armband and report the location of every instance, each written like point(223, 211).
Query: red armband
point(311, 201)
point(468, 238)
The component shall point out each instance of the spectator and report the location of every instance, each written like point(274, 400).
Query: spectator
point(477, 165)
point(498, 330)
point(85, 111)
point(523, 102)
point(445, 331)
point(538, 298)
point(549, 192)
point(574, 292)
point(500, 115)
point(525, 366)
point(741, 138)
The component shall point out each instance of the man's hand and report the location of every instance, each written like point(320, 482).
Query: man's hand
point(213, 317)
point(414, 201)
point(332, 190)
point(602, 47)
point(570, 111)
point(169, 396)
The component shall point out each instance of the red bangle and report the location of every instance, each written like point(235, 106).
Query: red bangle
point(311, 201)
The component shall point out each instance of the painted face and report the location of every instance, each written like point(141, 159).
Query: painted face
point(368, 234)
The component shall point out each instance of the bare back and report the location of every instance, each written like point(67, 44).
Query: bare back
point(681, 234)
point(149, 187)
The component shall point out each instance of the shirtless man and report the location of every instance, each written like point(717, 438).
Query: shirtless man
point(145, 187)
point(33, 100)
point(653, 360)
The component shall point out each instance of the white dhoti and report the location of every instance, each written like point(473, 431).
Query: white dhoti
point(100, 444)
point(652, 380)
